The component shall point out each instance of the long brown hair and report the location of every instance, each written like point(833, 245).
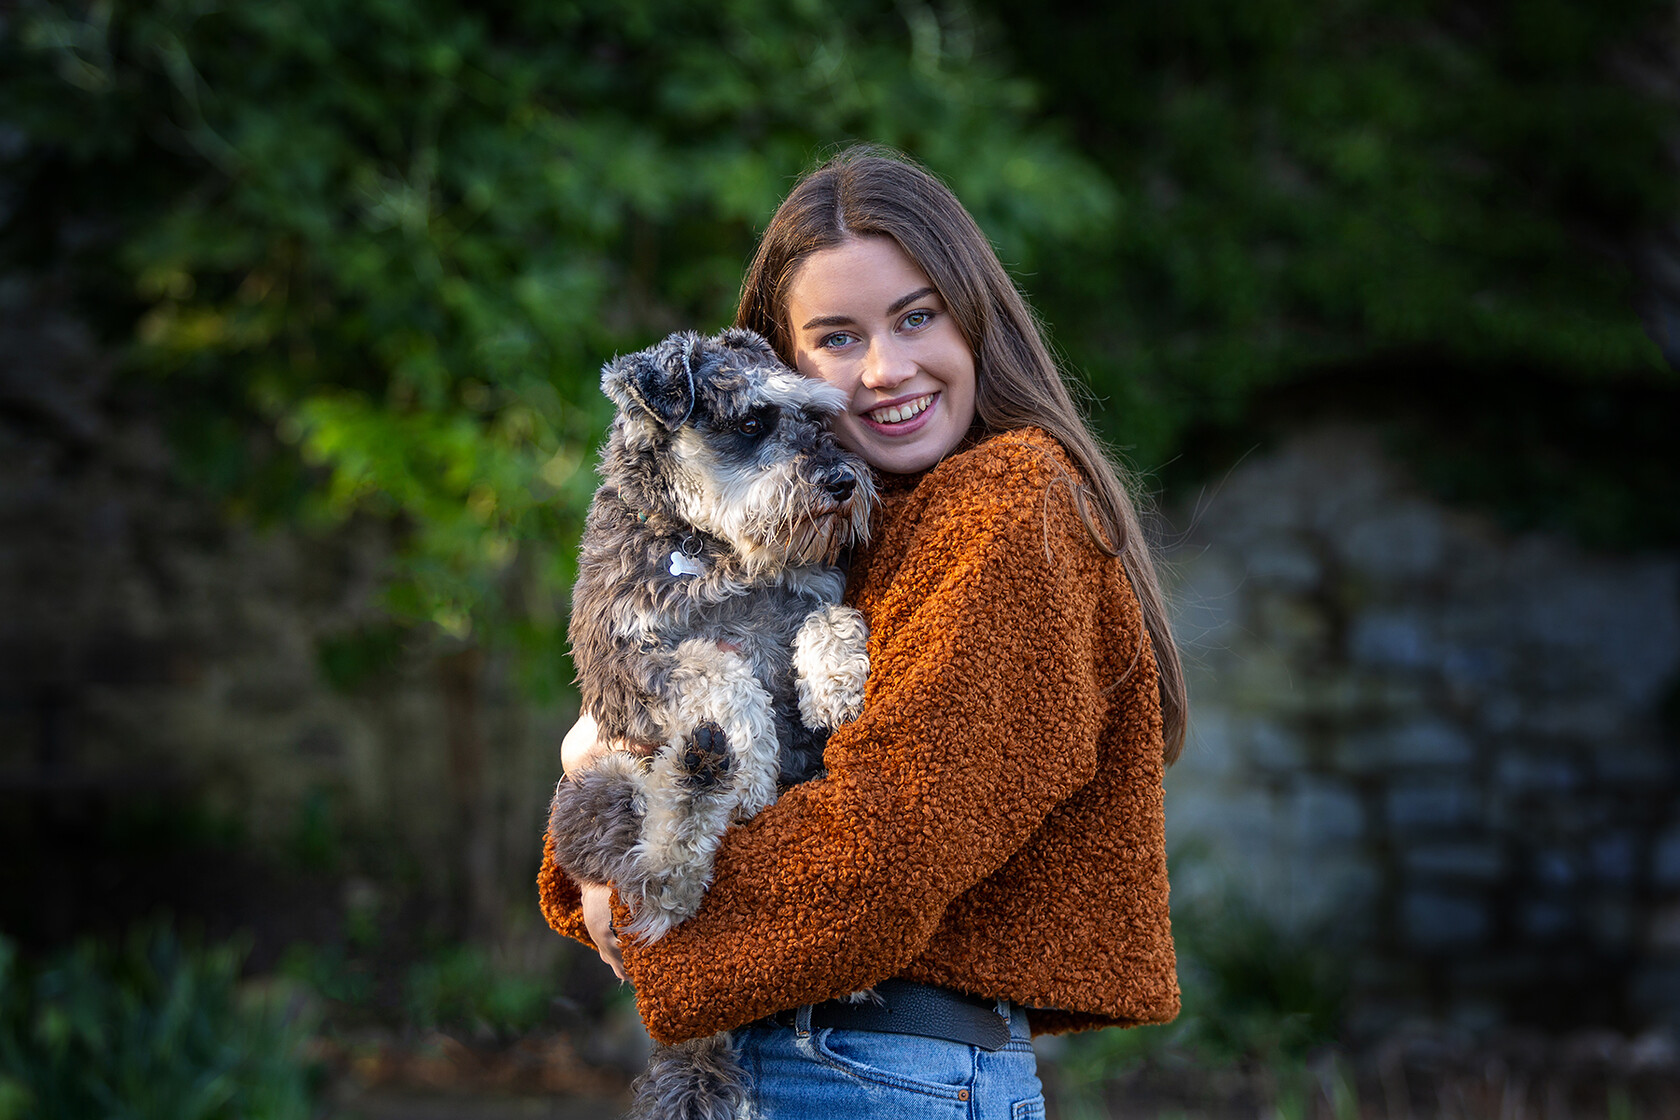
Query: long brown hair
point(869, 191)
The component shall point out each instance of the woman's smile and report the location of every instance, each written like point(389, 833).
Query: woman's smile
point(896, 416)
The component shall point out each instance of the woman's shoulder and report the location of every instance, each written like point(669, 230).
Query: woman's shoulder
point(1021, 459)
point(1017, 485)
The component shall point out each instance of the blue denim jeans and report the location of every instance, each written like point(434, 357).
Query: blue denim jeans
point(805, 1074)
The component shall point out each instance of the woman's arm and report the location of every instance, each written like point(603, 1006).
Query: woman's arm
point(579, 748)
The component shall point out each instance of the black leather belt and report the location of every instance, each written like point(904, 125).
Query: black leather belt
point(912, 1008)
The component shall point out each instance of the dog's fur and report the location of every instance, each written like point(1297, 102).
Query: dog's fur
point(706, 620)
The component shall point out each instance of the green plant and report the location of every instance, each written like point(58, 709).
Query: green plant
point(374, 254)
point(330, 972)
point(1254, 994)
point(461, 986)
point(1252, 989)
point(1340, 1089)
point(1619, 1103)
point(448, 986)
point(1315, 192)
point(149, 1029)
point(315, 843)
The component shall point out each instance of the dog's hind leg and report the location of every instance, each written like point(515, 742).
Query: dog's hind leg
point(831, 658)
point(596, 819)
point(717, 687)
point(719, 766)
point(701, 1079)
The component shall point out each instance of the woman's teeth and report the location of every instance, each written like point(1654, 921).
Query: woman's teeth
point(899, 413)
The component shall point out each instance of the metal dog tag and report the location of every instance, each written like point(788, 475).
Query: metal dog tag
point(686, 565)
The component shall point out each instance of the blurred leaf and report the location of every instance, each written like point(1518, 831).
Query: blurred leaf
point(373, 255)
point(154, 1029)
point(404, 238)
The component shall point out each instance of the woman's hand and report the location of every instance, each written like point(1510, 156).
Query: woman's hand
point(597, 915)
point(581, 745)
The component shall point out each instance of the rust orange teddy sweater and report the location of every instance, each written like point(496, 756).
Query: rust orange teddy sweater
point(991, 822)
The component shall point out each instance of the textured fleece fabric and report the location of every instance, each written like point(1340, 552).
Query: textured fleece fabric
point(991, 823)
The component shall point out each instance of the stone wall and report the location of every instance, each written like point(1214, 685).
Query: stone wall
point(1444, 749)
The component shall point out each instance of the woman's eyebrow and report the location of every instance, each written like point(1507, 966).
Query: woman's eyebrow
point(902, 302)
point(894, 308)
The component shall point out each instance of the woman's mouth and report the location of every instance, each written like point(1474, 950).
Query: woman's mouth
point(901, 416)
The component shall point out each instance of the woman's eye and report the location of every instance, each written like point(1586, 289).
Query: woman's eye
point(918, 319)
point(835, 341)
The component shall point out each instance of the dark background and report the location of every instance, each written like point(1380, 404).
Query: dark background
point(302, 308)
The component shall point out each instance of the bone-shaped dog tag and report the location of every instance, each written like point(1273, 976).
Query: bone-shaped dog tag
point(686, 565)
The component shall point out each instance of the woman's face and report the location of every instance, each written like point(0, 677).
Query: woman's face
point(865, 319)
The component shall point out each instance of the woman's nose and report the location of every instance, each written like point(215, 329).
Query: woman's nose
point(887, 365)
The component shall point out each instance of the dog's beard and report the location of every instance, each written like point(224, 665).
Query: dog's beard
point(775, 518)
point(808, 535)
point(818, 539)
point(818, 530)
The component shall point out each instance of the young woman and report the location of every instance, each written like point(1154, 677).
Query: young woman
point(985, 849)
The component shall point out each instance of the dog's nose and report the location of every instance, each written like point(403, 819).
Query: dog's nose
point(841, 489)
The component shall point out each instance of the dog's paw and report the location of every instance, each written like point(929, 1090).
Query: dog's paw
point(831, 658)
point(705, 760)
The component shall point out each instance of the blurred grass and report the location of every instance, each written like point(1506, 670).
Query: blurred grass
point(1259, 1002)
point(455, 987)
point(158, 1025)
point(153, 1027)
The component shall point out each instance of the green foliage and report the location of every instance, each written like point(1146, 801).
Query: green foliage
point(406, 235)
point(1253, 994)
point(350, 659)
point(450, 986)
point(331, 971)
point(1311, 186)
point(373, 255)
point(152, 1029)
point(315, 843)
point(462, 987)
point(1254, 991)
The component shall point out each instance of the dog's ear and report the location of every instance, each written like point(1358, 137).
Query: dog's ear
point(741, 338)
point(659, 380)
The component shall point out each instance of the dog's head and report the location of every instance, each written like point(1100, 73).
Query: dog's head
point(720, 433)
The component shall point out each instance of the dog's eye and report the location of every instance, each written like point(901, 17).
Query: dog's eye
point(758, 424)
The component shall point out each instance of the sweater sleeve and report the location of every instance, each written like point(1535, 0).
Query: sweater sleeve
point(982, 713)
point(559, 898)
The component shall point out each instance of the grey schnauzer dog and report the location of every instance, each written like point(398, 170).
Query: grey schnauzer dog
point(706, 621)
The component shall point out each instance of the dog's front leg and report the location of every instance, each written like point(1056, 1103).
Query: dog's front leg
point(831, 658)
